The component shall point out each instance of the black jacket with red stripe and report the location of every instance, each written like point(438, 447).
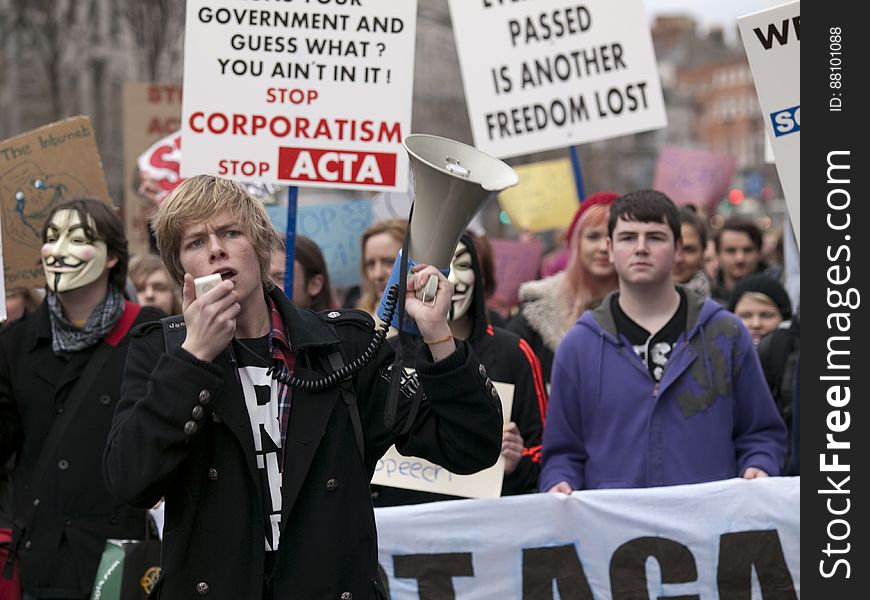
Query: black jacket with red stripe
point(508, 359)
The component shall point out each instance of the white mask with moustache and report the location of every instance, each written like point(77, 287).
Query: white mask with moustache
point(462, 277)
point(70, 258)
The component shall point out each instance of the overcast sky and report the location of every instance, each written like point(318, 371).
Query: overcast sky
point(709, 12)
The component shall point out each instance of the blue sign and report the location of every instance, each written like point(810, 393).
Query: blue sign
point(337, 229)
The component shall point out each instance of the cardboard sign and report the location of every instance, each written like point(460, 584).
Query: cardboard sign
point(557, 73)
point(312, 94)
point(773, 47)
point(412, 473)
point(691, 176)
point(39, 170)
point(151, 111)
point(546, 197)
point(516, 262)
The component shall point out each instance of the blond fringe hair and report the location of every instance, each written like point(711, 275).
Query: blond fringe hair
point(201, 198)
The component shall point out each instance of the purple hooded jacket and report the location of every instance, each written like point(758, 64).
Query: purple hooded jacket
point(611, 425)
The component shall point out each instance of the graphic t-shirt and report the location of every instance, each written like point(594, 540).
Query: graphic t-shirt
point(261, 399)
point(653, 349)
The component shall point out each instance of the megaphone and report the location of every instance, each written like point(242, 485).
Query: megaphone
point(452, 181)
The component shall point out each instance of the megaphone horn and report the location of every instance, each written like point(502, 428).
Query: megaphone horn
point(452, 181)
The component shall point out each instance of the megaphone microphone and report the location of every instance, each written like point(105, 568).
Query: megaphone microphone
point(452, 181)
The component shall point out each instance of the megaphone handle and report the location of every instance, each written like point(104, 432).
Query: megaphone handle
point(427, 292)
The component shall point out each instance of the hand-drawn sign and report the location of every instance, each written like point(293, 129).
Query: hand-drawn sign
point(35, 194)
point(38, 170)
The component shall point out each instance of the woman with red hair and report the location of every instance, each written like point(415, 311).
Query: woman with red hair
point(550, 306)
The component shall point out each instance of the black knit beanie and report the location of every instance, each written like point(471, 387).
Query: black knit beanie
point(763, 284)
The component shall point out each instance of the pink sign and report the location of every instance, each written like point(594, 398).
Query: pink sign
point(691, 176)
point(515, 263)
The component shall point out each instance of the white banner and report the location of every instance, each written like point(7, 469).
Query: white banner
point(314, 94)
point(555, 73)
point(726, 539)
point(773, 47)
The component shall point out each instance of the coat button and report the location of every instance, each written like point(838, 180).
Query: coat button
point(346, 596)
point(63, 464)
point(332, 485)
point(204, 397)
point(213, 474)
point(494, 392)
point(482, 370)
point(105, 399)
point(202, 588)
point(67, 522)
point(215, 418)
point(28, 544)
point(197, 412)
point(59, 410)
point(190, 428)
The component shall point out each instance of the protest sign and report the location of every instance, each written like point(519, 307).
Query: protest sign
point(337, 228)
point(557, 74)
point(310, 94)
point(151, 112)
point(773, 46)
point(691, 176)
point(161, 161)
point(38, 170)
point(726, 539)
point(546, 197)
point(412, 473)
point(515, 263)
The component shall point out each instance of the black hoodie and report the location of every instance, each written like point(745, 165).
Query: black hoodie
point(508, 359)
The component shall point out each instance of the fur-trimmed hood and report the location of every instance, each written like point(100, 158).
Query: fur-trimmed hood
point(546, 308)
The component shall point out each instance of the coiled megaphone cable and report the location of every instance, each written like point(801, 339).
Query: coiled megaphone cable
point(280, 373)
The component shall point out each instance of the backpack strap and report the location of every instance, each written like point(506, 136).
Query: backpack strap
point(345, 387)
point(174, 331)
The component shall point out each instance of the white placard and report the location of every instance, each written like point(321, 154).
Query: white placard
point(313, 94)
point(412, 473)
point(554, 73)
point(773, 47)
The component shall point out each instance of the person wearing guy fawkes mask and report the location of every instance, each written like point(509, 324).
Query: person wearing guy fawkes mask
point(507, 359)
point(60, 378)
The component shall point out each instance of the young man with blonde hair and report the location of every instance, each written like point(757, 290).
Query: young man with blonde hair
point(266, 485)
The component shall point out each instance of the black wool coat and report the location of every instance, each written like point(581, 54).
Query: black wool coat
point(75, 513)
point(213, 533)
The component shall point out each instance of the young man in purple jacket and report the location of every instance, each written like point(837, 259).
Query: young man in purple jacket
point(657, 386)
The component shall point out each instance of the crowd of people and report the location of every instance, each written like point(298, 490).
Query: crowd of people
point(258, 416)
